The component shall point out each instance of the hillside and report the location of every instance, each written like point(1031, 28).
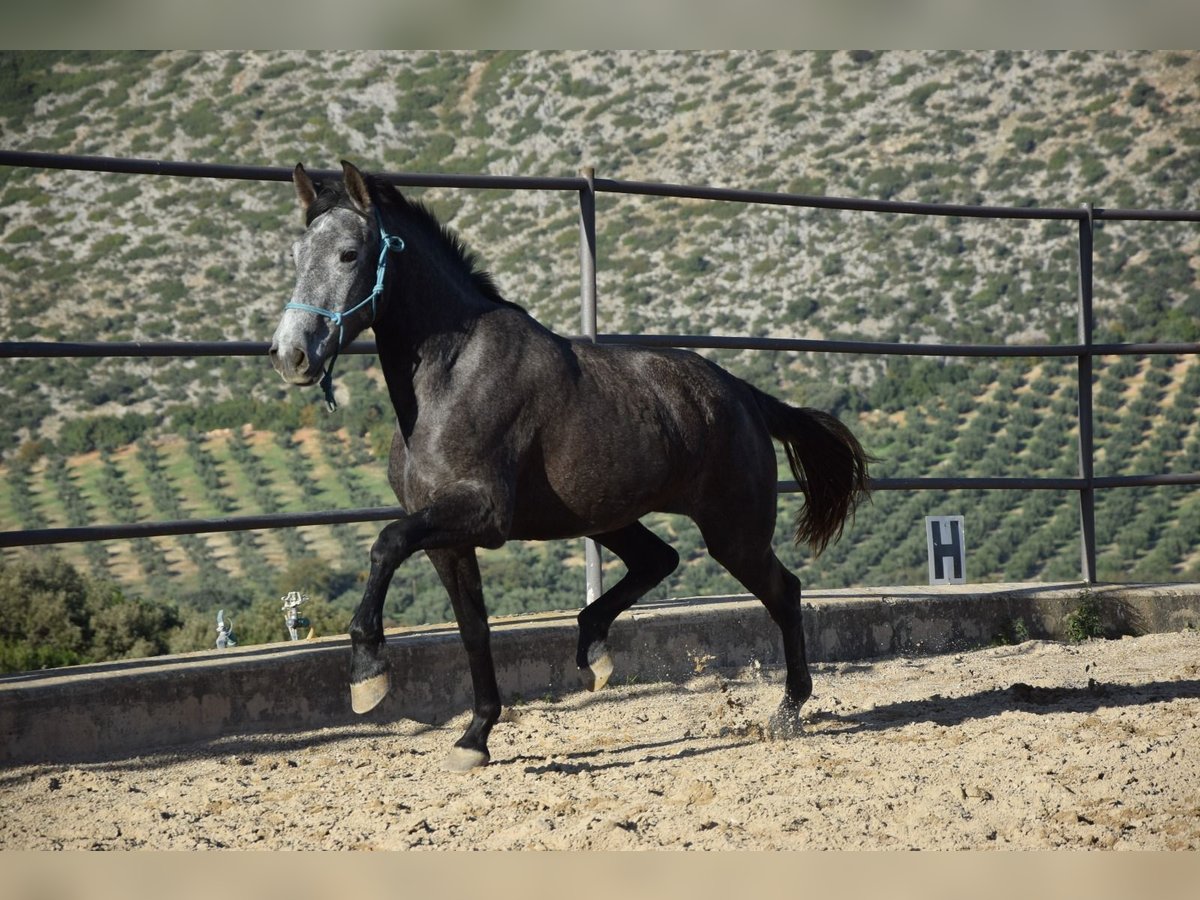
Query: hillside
point(90, 256)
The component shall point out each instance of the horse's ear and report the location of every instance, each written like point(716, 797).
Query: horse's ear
point(306, 191)
point(356, 187)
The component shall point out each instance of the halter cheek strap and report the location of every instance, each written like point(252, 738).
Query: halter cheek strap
point(386, 242)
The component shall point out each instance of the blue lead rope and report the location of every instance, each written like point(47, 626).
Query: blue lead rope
point(387, 242)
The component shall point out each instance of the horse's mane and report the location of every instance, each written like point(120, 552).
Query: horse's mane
point(333, 195)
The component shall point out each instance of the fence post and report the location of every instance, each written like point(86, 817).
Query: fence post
point(1087, 494)
point(587, 302)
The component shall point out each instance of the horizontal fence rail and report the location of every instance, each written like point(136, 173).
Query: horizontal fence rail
point(115, 165)
point(84, 533)
point(182, 349)
point(166, 528)
point(586, 185)
point(119, 166)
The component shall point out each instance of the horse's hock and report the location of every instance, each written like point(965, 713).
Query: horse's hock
point(127, 708)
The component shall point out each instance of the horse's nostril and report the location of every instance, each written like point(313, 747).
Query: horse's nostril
point(290, 360)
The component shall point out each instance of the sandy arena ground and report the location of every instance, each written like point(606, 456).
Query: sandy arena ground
point(1039, 745)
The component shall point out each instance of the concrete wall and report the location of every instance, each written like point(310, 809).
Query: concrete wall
point(124, 709)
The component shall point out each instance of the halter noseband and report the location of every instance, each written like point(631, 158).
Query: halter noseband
point(386, 242)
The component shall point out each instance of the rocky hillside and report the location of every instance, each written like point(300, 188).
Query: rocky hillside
point(123, 257)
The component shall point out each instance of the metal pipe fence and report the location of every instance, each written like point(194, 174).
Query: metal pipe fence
point(586, 185)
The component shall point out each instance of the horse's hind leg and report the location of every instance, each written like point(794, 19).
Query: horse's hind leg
point(648, 560)
point(759, 569)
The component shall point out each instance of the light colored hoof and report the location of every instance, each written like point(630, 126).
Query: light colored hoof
point(600, 667)
point(366, 695)
point(461, 759)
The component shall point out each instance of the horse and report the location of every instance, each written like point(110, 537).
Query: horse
point(506, 430)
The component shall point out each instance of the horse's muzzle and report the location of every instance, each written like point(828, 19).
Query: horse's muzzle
point(292, 364)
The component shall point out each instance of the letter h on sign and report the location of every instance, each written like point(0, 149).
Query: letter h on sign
point(947, 549)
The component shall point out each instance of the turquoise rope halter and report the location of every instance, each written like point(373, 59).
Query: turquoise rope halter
point(386, 242)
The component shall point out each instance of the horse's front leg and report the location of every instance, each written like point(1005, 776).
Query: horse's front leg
point(459, 571)
point(458, 522)
point(369, 682)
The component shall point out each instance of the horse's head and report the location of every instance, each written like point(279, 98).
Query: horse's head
point(339, 266)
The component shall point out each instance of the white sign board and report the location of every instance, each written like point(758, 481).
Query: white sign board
point(947, 549)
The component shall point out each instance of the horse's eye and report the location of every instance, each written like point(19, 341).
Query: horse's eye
point(349, 255)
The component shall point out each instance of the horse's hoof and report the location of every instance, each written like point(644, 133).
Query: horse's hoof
point(599, 668)
point(366, 695)
point(785, 723)
point(464, 759)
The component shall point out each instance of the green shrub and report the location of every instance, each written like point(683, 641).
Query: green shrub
point(25, 234)
point(919, 96)
point(1084, 622)
point(102, 432)
point(51, 615)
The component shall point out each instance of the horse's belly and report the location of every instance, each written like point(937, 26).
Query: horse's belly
point(591, 501)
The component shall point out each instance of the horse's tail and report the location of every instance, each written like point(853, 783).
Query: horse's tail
point(828, 462)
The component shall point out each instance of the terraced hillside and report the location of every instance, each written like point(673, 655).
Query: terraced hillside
point(86, 256)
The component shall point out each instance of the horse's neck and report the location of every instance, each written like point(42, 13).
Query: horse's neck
point(430, 318)
point(399, 368)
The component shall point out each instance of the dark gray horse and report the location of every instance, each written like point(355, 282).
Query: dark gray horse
point(507, 431)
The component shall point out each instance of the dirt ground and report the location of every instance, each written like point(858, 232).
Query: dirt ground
point(1039, 745)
